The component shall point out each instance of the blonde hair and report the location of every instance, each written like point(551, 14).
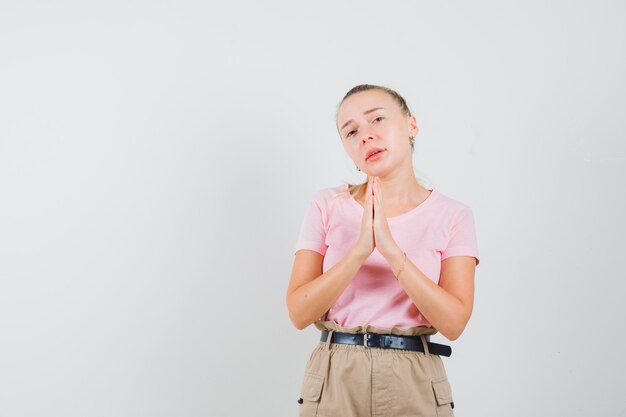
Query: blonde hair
point(366, 87)
point(353, 189)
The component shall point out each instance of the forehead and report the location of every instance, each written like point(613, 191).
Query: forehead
point(356, 104)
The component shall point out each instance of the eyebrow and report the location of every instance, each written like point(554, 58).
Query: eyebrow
point(365, 112)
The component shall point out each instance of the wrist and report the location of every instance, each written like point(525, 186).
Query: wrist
point(397, 261)
point(393, 255)
point(357, 255)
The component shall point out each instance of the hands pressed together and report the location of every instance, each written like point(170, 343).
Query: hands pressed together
point(375, 232)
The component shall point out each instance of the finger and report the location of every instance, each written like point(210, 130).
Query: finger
point(376, 190)
point(375, 201)
point(372, 192)
point(378, 200)
point(368, 197)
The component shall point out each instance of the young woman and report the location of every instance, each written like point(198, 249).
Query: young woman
point(379, 267)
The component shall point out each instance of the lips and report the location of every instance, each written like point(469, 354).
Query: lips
point(373, 151)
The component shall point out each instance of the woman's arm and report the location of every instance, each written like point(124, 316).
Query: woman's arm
point(311, 293)
point(447, 306)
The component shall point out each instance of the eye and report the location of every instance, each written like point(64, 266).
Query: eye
point(378, 119)
point(350, 133)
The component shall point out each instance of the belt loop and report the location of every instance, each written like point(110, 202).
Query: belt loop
point(425, 343)
point(329, 338)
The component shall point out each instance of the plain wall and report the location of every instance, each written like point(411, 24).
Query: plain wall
point(157, 158)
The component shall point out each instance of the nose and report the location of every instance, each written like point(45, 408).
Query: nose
point(366, 134)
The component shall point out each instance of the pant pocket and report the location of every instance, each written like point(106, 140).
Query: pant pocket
point(443, 396)
point(310, 394)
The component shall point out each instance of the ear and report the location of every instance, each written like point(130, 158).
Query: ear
point(413, 129)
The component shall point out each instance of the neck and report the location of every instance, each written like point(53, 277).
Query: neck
point(398, 190)
point(401, 188)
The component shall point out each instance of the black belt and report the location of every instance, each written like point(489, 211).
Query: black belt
point(387, 341)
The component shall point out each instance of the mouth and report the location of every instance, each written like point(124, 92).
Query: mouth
point(375, 154)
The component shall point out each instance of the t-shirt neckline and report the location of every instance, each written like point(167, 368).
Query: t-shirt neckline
point(419, 207)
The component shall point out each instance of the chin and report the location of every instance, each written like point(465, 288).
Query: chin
point(376, 172)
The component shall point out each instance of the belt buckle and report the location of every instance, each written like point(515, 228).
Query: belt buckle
point(366, 340)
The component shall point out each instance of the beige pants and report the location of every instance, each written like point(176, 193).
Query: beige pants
point(358, 381)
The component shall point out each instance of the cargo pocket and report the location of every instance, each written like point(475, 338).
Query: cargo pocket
point(310, 394)
point(443, 397)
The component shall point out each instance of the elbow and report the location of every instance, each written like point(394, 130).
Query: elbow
point(452, 333)
point(295, 318)
point(299, 325)
point(455, 334)
point(456, 330)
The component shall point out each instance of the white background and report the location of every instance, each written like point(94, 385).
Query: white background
point(157, 158)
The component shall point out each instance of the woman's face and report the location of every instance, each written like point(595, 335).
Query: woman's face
point(372, 120)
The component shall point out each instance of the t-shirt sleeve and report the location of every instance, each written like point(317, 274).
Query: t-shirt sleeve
point(312, 231)
point(462, 236)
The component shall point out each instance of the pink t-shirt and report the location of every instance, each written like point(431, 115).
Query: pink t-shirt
point(436, 229)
